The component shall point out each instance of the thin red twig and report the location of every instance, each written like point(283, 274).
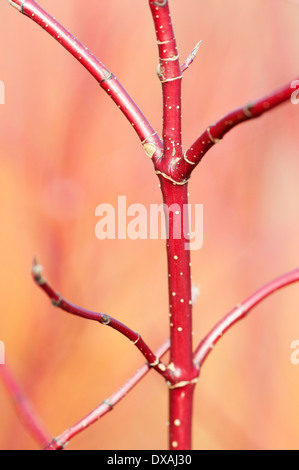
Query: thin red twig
point(148, 136)
point(24, 406)
point(239, 312)
point(215, 132)
point(59, 302)
point(107, 405)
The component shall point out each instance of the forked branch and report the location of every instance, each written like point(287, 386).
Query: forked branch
point(174, 169)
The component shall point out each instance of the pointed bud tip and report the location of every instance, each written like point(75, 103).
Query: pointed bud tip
point(37, 270)
point(18, 4)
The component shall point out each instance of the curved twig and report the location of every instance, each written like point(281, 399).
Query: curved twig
point(135, 338)
point(239, 312)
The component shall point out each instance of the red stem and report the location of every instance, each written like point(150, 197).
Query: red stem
point(107, 405)
point(180, 307)
point(179, 276)
point(175, 198)
point(239, 312)
point(170, 75)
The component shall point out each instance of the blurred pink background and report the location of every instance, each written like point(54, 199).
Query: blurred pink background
point(65, 148)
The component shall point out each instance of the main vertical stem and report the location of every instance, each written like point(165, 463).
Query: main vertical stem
point(175, 198)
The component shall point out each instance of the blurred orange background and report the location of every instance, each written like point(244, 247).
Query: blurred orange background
point(65, 148)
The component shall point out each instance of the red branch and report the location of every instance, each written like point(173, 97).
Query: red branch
point(24, 407)
point(59, 302)
point(215, 132)
point(148, 136)
point(107, 405)
point(239, 312)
